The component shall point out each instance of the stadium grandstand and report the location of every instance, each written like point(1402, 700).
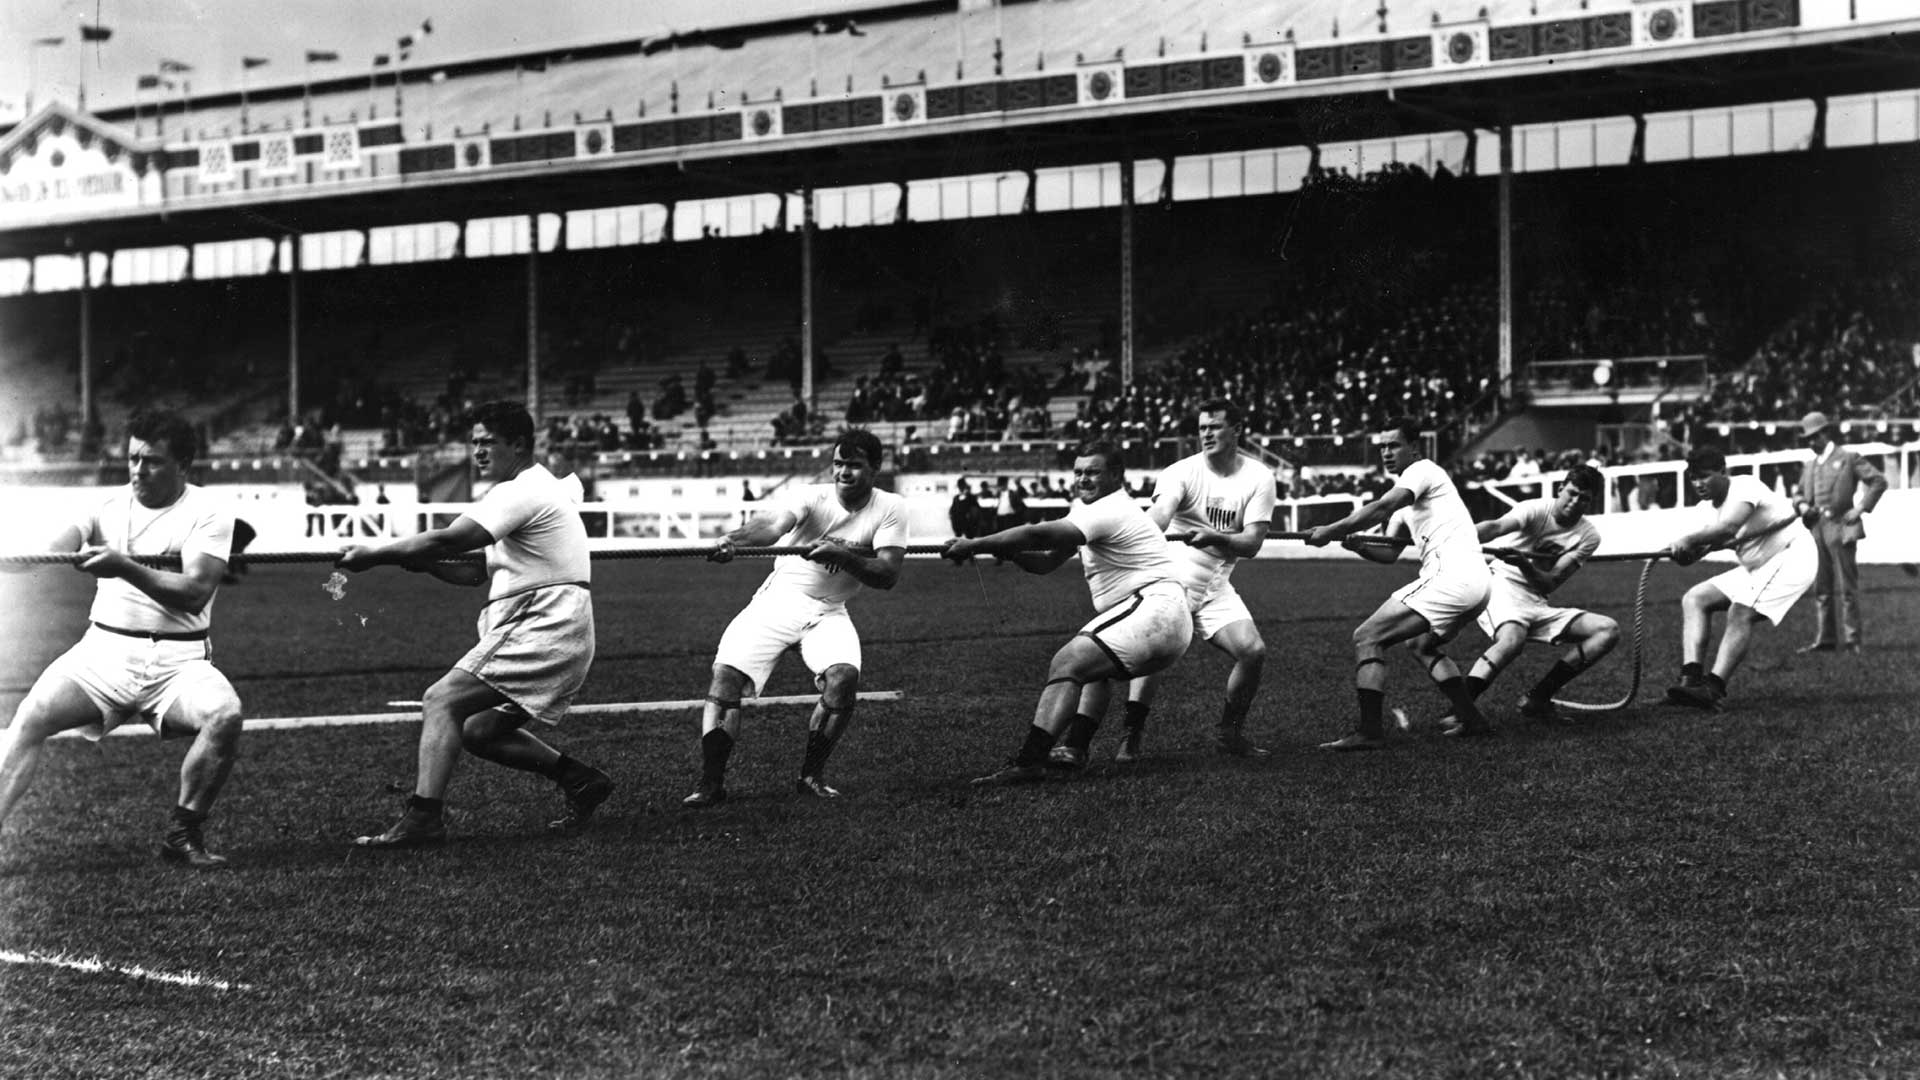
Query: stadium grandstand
point(988, 230)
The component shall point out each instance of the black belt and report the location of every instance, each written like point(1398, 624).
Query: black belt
point(154, 635)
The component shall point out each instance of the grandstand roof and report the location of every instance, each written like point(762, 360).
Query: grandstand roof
point(919, 40)
point(944, 42)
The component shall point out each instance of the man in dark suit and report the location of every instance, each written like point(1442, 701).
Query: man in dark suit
point(1837, 488)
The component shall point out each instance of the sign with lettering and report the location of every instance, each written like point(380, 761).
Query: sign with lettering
point(55, 167)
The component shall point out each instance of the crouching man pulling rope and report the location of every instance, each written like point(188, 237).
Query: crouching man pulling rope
point(1553, 540)
point(1778, 563)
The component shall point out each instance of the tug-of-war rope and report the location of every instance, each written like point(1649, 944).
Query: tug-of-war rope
point(694, 551)
point(331, 555)
point(687, 551)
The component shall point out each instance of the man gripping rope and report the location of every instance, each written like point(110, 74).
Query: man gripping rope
point(536, 629)
point(147, 654)
point(1218, 505)
point(1551, 541)
point(1143, 624)
point(1778, 564)
point(856, 536)
point(1451, 589)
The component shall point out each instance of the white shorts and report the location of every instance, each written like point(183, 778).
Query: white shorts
point(1448, 601)
point(535, 648)
point(129, 677)
point(1782, 580)
point(777, 621)
point(1218, 610)
point(1508, 601)
point(1146, 632)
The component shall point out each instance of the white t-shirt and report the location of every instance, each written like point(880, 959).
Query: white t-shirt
point(1204, 499)
point(194, 524)
point(538, 538)
point(1442, 528)
point(1770, 508)
point(881, 523)
point(1124, 553)
point(1541, 532)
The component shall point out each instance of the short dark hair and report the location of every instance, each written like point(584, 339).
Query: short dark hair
point(508, 420)
point(1707, 458)
point(160, 425)
point(1407, 428)
point(1226, 410)
point(1107, 451)
point(860, 441)
point(1587, 479)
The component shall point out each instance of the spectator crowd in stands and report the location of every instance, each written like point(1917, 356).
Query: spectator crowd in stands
point(1376, 296)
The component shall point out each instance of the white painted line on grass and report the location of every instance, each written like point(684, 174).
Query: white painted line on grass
point(94, 964)
point(618, 708)
point(692, 703)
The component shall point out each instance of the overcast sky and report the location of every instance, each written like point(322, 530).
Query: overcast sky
point(212, 36)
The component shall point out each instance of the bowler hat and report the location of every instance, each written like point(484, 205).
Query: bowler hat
point(1813, 424)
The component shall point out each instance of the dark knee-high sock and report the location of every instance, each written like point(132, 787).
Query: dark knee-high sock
point(1456, 691)
point(1080, 731)
point(715, 747)
point(1038, 745)
point(1372, 712)
point(819, 747)
point(822, 740)
point(1557, 676)
point(569, 769)
point(182, 822)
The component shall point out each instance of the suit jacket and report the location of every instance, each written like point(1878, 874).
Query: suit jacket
point(1830, 487)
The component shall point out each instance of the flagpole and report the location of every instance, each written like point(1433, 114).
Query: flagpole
point(999, 36)
point(1040, 16)
point(306, 93)
point(243, 95)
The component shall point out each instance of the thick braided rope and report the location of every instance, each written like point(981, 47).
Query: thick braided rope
point(265, 558)
point(689, 551)
point(1639, 650)
point(1377, 540)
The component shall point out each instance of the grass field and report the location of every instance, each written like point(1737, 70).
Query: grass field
point(1642, 893)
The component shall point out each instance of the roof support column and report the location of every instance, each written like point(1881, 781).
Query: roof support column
point(1505, 385)
point(86, 339)
point(806, 302)
point(533, 322)
point(1126, 272)
point(293, 328)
